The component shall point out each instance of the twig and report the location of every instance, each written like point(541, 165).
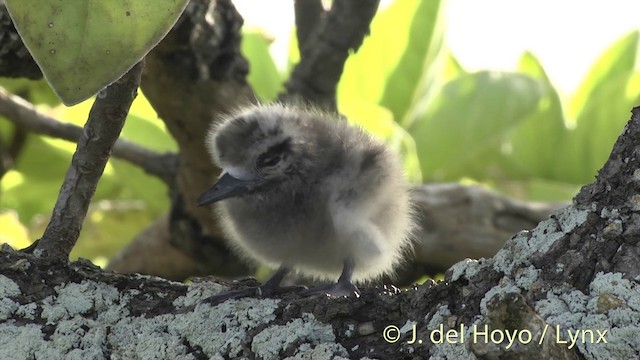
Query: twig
point(342, 30)
point(100, 133)
point(24, 114)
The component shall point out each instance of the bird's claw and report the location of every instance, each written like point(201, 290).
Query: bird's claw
point(257, 292)
point(333, 290)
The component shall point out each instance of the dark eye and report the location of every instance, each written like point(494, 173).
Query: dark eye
point(274, 154)
point(267, 161)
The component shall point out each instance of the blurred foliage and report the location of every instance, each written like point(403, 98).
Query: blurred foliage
point(126, 201)
point(508, 130)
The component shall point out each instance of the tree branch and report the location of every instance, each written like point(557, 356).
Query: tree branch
point(23, 114)
point(195, 74)
point(101, 131)
point(341, 31)
point(308, 14)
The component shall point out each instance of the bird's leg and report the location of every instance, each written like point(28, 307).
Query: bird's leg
point(270, 287)
point(344, 286)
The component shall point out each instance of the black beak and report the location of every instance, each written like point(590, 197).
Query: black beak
point(227, 186)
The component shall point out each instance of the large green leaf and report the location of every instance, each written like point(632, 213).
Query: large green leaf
point(389, 65)
point(601, 121)
point(417, 63)
point(619, 60)
point(535, 144)
point(461, 131)
point(430, 85)
point(82, 46)
point(602, 105)
point(263, 73)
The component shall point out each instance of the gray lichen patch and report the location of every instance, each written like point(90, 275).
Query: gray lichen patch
point(305, 333)
point(603, 324)
point(319, 352)
point(24, 342)
point(517, 252)
point(74, 299)
point(8, 287)
point(526, 277)
point(506, 286)
point(225, 325)
point(7, 307)
point(198, 291)
point(467, 268)
point(614, 283)
point(570, 218)
point(447, 350)
point(93, 320)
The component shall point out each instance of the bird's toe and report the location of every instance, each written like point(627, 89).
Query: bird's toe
point(338, 289)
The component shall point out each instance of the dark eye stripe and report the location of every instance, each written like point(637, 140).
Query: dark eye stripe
point(274, 153)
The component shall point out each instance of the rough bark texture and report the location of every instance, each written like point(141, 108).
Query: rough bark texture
point(566, 290)
point(193, 76)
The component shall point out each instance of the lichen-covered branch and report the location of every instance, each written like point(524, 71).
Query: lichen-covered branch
point(25, 115)
point(100, 133)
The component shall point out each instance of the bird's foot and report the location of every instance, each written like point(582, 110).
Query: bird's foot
point(263, 291)
point(333, 290)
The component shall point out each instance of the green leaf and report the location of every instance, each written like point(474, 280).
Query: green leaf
point(462, 130)
point(386, 70)
point(619, 60)
point(417, 64)
point(430, 86)
point(82, 46)
point(601, 121)
point(535, 144)
point(601, 106)
point(263, 73)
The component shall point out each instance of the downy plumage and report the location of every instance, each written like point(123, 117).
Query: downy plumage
point(303, 190)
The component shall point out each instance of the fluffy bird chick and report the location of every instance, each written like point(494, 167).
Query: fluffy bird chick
point(303, 190)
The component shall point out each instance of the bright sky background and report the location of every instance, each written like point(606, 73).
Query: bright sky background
point(566, 35)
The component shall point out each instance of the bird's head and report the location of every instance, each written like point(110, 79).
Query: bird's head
point(257, 149)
